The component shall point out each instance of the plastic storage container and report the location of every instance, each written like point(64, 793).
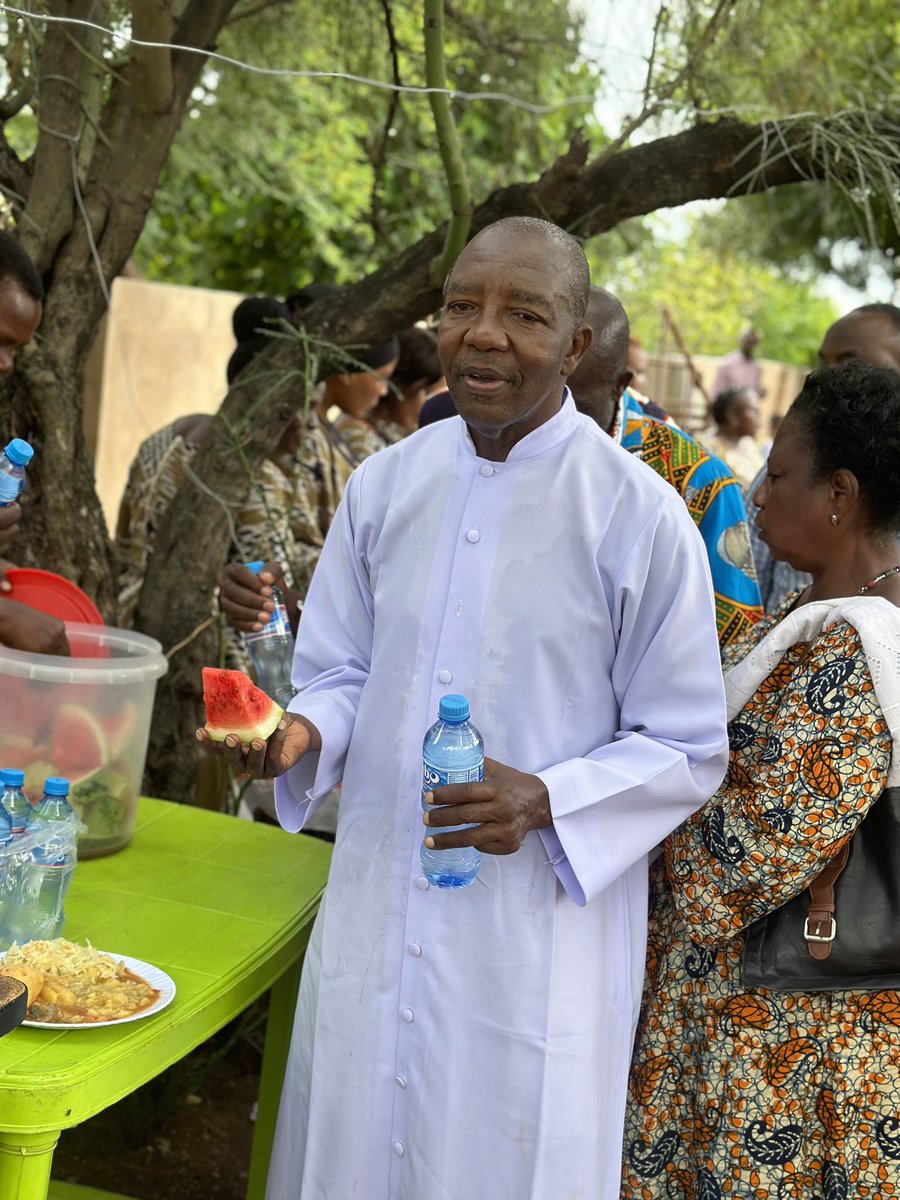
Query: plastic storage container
point(86, 718)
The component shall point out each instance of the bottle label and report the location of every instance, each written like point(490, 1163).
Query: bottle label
point(9, 489)
point(433, 777)
point(278, 622)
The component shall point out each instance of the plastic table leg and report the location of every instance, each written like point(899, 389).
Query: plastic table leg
point(25, 1161)
point(279, 1024)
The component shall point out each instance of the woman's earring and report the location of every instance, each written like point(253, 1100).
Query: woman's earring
point(835, 519)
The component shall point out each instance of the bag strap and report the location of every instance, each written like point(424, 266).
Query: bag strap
point(820, 926)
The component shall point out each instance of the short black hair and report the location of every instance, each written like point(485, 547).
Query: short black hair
point(305, 296)
point(16, 267)
point(579, 273)
point(256, 314)
point(418, 358)
point(725, 400)
point(849, 417)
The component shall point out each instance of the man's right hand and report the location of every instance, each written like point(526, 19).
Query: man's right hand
point(23, 628)
point(294, 737)
point(246, 599)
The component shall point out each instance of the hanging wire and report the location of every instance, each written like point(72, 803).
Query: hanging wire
point(124, 39)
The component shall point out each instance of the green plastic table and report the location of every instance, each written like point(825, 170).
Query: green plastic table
point(225, 907)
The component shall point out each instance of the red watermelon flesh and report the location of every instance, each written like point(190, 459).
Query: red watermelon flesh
point(77, 745)
point(235, 705)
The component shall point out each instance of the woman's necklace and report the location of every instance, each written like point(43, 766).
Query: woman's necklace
point(878, 578)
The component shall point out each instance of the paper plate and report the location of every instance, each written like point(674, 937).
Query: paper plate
point(157, 979)
point(52, 594)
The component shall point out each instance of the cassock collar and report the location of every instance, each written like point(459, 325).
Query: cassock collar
point(558, 429)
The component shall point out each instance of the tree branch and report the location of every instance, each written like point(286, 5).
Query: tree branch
point(151, 72)
point(254, 8)
point(379, 150)
point(448, 144)
point(20, 82)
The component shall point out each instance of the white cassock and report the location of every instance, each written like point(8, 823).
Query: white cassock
point(474, 1044)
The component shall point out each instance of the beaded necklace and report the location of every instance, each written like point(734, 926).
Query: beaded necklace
point(878, 578)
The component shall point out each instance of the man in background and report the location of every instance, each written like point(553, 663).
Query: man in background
point(739, 369)
point(600, 385)
point(872, 334)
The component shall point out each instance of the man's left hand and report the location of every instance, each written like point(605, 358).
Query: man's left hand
point(501, 809)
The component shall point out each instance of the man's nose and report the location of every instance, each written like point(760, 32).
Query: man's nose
point(486, 331)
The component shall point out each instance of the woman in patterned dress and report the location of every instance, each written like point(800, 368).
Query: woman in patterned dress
point(752, 1093)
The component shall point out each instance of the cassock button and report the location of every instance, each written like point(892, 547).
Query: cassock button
point(415, 950)
point(445, 676)
point(399, 1149)
point(485, 470)
point(473, 536)
point(422, 883)
point(400, 1081)
point(407, 1015)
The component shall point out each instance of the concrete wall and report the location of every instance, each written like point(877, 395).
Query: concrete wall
point(160, 354)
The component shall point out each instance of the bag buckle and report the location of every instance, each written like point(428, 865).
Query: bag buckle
point(819, 922)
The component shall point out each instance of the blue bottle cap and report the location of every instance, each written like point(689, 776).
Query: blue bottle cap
point(19, 452)
point(453, 708)
point(54, 786)
point(12, 778)
point(255, 567)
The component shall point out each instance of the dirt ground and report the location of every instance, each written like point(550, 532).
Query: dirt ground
point(186, 1135)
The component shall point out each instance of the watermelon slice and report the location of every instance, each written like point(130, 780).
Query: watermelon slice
point(119, 728)
point(235, 705)
point(77, 745)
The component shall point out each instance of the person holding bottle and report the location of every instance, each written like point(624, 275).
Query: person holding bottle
point(452, 1043)
point(21, 307)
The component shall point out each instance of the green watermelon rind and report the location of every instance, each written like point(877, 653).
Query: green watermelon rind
point(225, 690)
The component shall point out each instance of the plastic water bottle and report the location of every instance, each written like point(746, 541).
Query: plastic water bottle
point(452, 752)
point(271, 650)
point(13, 461)
point(13, 801)
point(46, 875)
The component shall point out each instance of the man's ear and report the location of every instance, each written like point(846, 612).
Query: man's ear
point(581, 339)
point(623, 381)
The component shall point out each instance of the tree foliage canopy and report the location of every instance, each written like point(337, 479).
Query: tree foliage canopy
point(276, 181)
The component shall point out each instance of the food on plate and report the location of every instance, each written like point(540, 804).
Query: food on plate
point(235, 705)
point(76, 985)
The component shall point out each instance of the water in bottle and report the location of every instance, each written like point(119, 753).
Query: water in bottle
point(453, 752)
point(271, 649)
point(7, 881)
point(13, 461)
point(46, 875)
point(14, 801)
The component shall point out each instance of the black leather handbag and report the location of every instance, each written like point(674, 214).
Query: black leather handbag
point(843, 932)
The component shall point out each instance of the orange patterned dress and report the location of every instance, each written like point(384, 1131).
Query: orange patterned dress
point(763, 1095)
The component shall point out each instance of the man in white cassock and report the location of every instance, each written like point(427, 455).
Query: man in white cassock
point(474, 1044)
